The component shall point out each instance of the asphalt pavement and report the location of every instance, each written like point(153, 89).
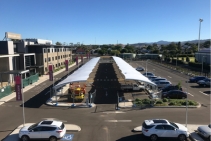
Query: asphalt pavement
point(104, 122)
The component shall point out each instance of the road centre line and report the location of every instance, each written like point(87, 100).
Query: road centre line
point(191, 94)
point(203, 93)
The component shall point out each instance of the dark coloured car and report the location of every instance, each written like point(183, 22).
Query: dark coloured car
point(204, 82)
point(171, 87)
point(197, 78)
point(174, 94)
point(140, 69)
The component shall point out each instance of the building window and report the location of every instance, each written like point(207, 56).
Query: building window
point(51, 50)
point(61, 56)
point(46, 69)
point(60, 50)
point(48, 50)
point(44, 50)
point(53, 58)
point(56, 65)
point(49, 59)
point(56, 57)
point(59, 64)
point(54, 50)
point(45, 60)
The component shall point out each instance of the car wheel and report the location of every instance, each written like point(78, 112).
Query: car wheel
point(25, 138)
point(153, 137)
point(182, 137)
point(52, 138)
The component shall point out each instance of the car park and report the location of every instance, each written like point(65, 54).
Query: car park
point(205, 131)
point(46, 129)
point(162, 83)
point(140, 69)
point(197, 78)
point(157, 128)
point(171, 87)
point(147, 74)
point(204, 82)
point(174, 94)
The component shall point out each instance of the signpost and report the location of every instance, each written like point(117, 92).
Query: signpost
point(66, 65)
point(19, 93)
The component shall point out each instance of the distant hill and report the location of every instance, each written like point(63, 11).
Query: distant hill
point(168, 42)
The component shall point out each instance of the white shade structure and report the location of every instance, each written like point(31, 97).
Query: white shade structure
point(129, 72)
point(80, 75)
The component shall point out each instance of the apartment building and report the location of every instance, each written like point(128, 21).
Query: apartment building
point(50, 54)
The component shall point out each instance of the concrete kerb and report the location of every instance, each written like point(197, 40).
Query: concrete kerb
point(131, 105)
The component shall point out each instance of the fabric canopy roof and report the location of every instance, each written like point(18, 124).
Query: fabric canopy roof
point(82, 74)
point(129, 72)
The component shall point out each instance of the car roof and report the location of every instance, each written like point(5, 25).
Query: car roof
point(50, 122)
point(156, 121)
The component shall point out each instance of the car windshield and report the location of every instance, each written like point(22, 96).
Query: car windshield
point(32, 126)
point(173, 124)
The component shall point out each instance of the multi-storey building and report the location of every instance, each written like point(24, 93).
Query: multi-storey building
point(50, 54)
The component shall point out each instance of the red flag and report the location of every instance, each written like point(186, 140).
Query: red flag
point(18, 88)
point(50, 68)
point(66, 65)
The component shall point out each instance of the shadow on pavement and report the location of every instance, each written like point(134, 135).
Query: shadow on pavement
point(135, 137)
point(207, 92)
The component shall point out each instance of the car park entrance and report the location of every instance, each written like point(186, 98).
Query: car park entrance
point(106, 84)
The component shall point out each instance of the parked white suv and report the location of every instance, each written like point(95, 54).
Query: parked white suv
point(156, 128)
point(47, 129)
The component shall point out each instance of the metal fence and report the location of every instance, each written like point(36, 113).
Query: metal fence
point(30, 80)
point(7, 90)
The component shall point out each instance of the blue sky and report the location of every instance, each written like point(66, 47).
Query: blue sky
point(106, 21)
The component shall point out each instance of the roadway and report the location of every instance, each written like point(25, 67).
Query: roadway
point(102, 122)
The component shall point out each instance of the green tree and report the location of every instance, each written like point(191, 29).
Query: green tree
point(58, 43)
point(206, 44)
point(179, 47)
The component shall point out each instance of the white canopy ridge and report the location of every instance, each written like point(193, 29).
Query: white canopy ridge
point(80, 75)
point(129, 72)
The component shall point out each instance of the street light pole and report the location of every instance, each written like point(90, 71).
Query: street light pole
point(200, 20)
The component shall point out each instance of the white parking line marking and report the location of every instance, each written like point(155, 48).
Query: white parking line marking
point(203, 93)
point(190, 94)
point(169, 76)
point(117, 120)
point(115, 112)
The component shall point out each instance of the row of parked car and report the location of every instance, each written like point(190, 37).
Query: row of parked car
point(166, 88)
point(162, 128)
point(200, 80)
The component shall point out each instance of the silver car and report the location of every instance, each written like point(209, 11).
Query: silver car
point(205, 131)
point(162, 83)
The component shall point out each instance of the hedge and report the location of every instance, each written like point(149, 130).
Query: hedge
point(199, 65)
point(178, 61)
